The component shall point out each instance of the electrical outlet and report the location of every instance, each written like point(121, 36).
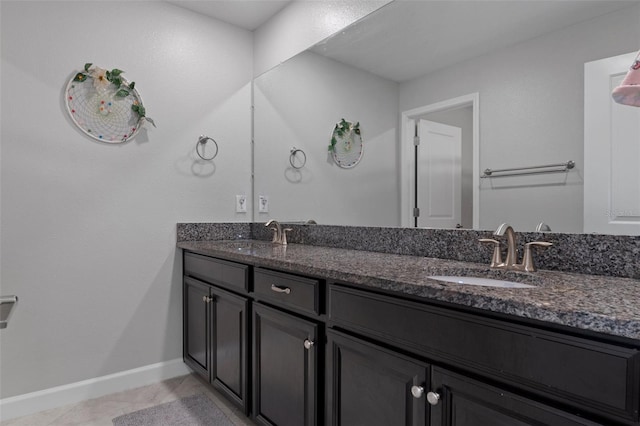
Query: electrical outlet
point(263, 204)
point(241, 203)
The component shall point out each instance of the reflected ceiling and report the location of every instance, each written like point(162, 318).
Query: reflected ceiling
point(445, 32)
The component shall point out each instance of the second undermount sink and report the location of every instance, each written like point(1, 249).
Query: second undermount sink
point(486, 282)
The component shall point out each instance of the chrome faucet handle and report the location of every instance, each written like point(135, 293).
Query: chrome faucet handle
point(527, 260)
point(496, 258)
point(283, 240)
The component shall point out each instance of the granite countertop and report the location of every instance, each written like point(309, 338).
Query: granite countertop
point(602, 304)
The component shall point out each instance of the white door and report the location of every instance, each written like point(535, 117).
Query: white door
point(439, 170)
point(611, 152)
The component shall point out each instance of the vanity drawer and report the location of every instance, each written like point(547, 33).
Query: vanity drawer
point(215, 271)
point(287, 290)
point(599, 377)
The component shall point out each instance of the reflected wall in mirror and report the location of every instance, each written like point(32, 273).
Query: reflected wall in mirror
point(524, 59)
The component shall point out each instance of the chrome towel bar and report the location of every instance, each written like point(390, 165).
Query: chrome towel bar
point(532, 170)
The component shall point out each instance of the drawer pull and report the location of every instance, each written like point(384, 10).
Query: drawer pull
point(433, 398)
point(278, 289)
point(417, 391)
point(308, 344)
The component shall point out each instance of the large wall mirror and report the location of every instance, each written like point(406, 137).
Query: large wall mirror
point(509, 75)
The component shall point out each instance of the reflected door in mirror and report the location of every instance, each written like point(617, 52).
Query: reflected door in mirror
point(438, 175)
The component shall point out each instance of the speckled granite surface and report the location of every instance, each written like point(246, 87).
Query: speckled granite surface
point(582, 253)
point(602, 304)
point(213, 231)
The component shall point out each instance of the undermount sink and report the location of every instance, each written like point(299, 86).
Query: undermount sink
point(486, 282)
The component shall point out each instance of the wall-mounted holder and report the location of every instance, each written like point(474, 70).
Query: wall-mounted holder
point(294, 154)
point(6, 304)
point(202, 143)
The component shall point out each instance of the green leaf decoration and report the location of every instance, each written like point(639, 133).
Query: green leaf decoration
point(332, 147)
point(139, 109)
point(122, 89)
point(80, 77)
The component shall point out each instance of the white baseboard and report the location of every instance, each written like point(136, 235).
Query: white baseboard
point(30, 403)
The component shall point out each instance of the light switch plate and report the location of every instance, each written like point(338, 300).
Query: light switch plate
point(241, 203)
point(263, 204)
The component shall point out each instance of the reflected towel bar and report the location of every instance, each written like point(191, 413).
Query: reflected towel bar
point(533, 170)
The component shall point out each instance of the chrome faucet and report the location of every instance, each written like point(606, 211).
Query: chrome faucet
point(511, 262)
point(512, 248)
point(279, 234)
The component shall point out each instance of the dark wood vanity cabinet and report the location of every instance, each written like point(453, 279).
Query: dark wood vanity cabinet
point(196, 326)
point(216, 325)
point(531, 369)
point(371, 386)
point(457, 400)
point(294, 351)
point(285, 368)
point(287, 349)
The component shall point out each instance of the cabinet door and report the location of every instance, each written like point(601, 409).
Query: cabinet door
point(195, 299)
point(229, 341)
point(285, 368)
point(460, 401)
point(369, 385)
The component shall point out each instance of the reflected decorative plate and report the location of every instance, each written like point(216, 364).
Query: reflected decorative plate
point(101, 111)
point(346, 144)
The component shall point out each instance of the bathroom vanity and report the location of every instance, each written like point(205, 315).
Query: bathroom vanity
point(309, 335)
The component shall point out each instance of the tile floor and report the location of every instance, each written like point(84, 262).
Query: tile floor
point(100, 411)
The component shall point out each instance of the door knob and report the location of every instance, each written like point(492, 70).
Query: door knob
point(417, 391)
point(308, 343)
point(207, 299)
point(433, 398)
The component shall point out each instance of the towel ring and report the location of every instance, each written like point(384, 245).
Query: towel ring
point(202, 140)
point(292, 157)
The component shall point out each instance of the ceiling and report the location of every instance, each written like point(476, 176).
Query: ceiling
point(247, 14)
point(406, 39)
point(432, 34)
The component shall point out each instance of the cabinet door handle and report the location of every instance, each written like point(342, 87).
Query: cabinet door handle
point(308, 344)
point(417, 391)
point(433, 398)
point(207, 299)
point(278, 289)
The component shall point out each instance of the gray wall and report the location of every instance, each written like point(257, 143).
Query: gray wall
point(88, 228)
point(531, 112)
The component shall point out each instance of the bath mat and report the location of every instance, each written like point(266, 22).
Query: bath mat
point(190, 411)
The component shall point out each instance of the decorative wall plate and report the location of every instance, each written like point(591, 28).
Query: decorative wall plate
point(346, 144)
point(104, 105)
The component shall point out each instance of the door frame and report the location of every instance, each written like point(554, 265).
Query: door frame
point(407, 166)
